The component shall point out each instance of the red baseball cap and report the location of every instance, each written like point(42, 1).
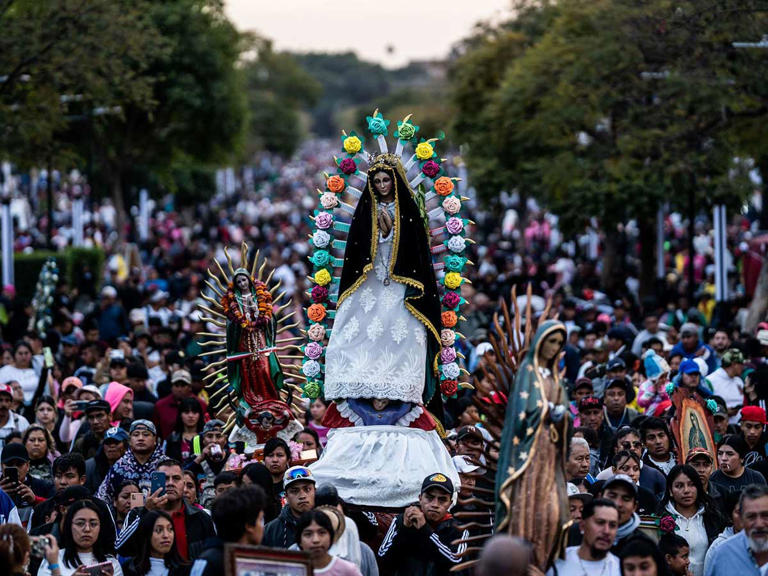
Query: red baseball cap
point(753, 414)
point(6, 388)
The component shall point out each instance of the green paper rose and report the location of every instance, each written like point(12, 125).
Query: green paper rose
point(312, 390)
point(406, 131)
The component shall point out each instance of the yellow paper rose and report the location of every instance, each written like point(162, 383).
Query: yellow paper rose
point(424, 151)
point(352, 145)
point(322, 277)
point(453, 280)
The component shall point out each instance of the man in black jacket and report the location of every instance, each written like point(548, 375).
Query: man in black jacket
point(112, 449)
point(191, 525)
point(300, 497)
point(421, 539)
point(239, 518)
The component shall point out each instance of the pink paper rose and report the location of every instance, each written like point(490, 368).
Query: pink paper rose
point(452, 205)
point(324, 220)
point(454, 225)
point(316, 332)
point(329, 201)
point(313, 351)
point(447, 337)
point(447, 355)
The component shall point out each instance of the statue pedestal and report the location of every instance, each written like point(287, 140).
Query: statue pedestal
point(382, 466)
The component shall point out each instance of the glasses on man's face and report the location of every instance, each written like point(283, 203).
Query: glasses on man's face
point(83, 524)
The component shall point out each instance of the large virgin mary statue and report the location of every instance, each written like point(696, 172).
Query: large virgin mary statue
point(530, 481)
point(381, 360)
point(385, 341)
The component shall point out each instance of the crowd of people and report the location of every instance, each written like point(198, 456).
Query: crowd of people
point(111, 456)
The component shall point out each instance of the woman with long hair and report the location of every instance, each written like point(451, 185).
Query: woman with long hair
point(189, 423)
point(309, 440)
point(83, 543)
point(156, 554)
point(42, 451)
point(696, 517)
point(46, 414)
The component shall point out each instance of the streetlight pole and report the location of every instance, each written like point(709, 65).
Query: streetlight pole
point(6, 226)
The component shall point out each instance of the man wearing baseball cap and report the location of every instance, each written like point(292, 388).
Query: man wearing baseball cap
point(299, 484)
point(112, 448)
point(10, 421)
point(425, 539)
point(703, 462)
point(137, 463)
point(726, 382)
point(97, 414)
point(623, 492)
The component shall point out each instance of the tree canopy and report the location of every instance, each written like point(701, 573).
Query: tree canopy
point(614, 106)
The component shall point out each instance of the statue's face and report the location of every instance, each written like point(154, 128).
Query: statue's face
point(382, 183)
point(551, 346)
point(241, 281)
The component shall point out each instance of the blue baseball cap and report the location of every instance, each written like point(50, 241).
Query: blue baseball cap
point(689, 367)
point(116, 433)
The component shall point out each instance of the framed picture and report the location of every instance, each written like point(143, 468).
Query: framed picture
point(242, 560)
point(692, 428)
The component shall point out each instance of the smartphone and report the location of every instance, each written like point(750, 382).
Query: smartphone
point(48, 357)
point(38, 546)
point(157, 480)
point(137, 499)
point(11, 473)
point(116, 355)
point(80, 405)
point(103, 569)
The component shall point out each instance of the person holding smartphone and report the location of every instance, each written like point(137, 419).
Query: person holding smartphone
point(84, 547)
point(191, 525)
point(16, 482)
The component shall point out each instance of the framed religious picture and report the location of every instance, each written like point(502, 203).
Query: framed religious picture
point(240, 560)
point(692, 427)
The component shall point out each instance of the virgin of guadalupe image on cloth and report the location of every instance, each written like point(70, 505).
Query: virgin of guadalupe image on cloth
point(382, 371)
point(692, 429)
point(530, 481)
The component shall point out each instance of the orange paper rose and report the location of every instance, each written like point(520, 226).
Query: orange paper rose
point(335, 184)
point(443, 186)
point(316, 312)
point(449, 319)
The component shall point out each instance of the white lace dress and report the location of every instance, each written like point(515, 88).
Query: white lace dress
point(377, 348)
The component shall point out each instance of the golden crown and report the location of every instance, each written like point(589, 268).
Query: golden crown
point(386, 158)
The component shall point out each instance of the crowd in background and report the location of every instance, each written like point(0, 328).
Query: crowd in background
point(123, 397)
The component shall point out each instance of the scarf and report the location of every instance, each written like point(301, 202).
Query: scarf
point(627, 528)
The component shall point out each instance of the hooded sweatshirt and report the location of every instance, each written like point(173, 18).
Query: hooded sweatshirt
point(114, 395)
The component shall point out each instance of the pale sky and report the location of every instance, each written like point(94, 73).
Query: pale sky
point(417, 30)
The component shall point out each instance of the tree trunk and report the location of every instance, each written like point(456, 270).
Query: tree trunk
point(119, 202)
point(611, 276)
point(759, 305)
point(647, 230)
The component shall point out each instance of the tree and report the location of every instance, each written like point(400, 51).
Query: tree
point(617, 107)
point(278, 88)
point(59, 58)
point(197, 112)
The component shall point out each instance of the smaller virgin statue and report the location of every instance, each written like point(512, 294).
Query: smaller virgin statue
point(530, 482)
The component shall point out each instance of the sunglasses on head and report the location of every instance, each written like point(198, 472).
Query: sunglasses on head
point(299, 473)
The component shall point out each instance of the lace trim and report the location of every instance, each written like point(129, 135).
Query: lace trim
point(347, 412)
point(412, 416)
